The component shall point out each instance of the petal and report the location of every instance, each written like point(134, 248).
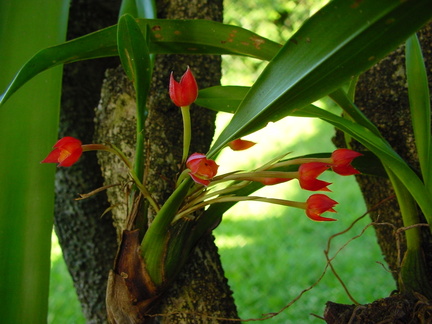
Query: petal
point(345, 170)
point(185, 92)
point(67, 140)
point(67, 151)
point(52, 157)
point(189, 88)
point(342, 159)
point(240, 144)
point(308, 173)
point(201, 169)
point(198, 180)
point(174, 90)
point(318, 204)
point(314, 184)
point(71, 158)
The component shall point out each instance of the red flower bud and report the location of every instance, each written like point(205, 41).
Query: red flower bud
point(341, 161)
point(240, 145)
point(308, 173)
point(185, 92)
point(66, 152)
point(318, 204)
point(202, 170)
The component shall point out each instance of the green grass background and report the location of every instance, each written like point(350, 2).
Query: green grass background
point(271, 253)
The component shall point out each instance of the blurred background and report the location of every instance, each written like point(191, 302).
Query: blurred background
point(272, 253)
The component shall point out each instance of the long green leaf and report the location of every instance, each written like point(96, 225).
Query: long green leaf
point(135, 57)
point(26, 137)
point(165, 37)
point(222, 98)
point(419, 98)
point(341, 40)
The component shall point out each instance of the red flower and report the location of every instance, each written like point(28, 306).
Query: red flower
point(341, 161)
point(308, 173)
point(318, 204)
point(202, 170)
point(66, 152)
point(185, 92)
point(240, 145)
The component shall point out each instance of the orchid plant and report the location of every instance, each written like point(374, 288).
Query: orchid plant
point(297, 75)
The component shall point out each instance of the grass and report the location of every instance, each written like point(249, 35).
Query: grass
point(64, 307)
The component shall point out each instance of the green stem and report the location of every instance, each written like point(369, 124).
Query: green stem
point(283, 202)
point(409, 212)
point(413, 275)
point(186, 131)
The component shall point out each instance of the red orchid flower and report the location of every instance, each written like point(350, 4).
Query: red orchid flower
point(202, 170)
point(308, 173)
point(341, 161)
point(185, 92)
point(318, 204)
point(240, 144)
point(67, 152)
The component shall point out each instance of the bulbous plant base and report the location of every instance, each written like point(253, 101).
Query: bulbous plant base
point(394, 309)
point(130, 291)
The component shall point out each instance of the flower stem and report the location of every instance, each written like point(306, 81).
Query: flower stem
point(186, 131)
point(135, 177)
point(275, 201)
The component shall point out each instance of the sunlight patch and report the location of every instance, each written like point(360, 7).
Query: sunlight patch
point(230, 242)
point(56, 251)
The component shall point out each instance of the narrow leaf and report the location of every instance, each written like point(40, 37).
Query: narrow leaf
point(341, 40)
point(419, 98)
point(222, 98)
point(135, 57)
point(165, 37)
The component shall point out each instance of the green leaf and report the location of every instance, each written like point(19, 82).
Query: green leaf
point(341, 40)
point(135, 58)
point(222, 98)
point(26, 137)
point(154, 244)
point(133, 50)
point(164, 36)
point(419, 98)
point(341, 98)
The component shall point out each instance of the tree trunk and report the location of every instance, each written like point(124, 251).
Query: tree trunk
point(201, 293)
point(382, 95)
point(88, 240)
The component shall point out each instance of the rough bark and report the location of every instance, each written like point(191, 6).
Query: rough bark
point(382, 96)
point(201, 293)
point(87, 239)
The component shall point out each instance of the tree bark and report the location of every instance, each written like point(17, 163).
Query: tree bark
point(88, 240)
point(382, 95)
